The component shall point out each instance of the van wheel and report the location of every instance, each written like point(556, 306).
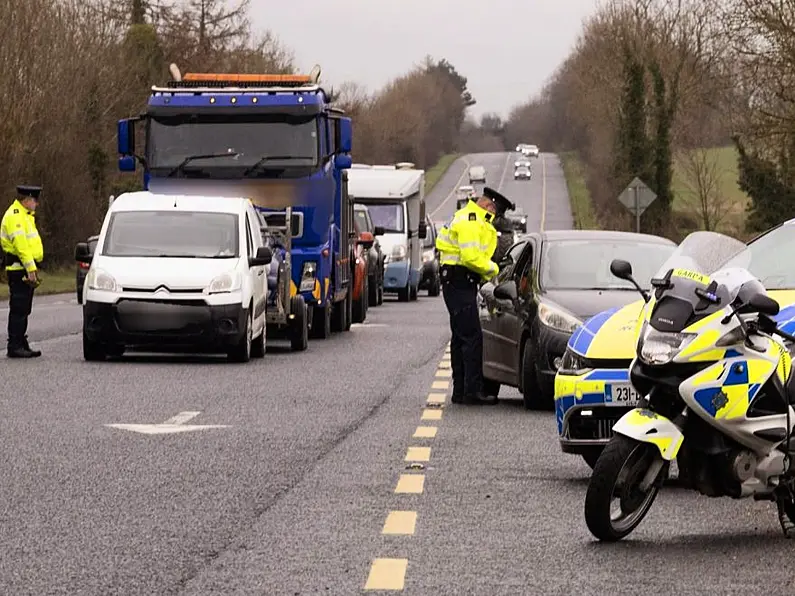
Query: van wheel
point(93, 351)
point(242, 351)
point(436, 287)
point(321, 321)
point(299, 331)
point(403, 294)
point(258, 347)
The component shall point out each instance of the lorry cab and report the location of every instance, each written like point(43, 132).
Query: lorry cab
point(395, 198)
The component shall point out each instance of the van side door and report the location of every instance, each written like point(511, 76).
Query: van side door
point(259, 280)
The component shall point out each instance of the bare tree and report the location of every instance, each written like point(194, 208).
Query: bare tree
point(701, 176)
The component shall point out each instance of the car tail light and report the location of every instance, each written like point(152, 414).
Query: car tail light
point(84, 265)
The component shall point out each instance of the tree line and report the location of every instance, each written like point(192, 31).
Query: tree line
point(74, 67)
point(651, 83)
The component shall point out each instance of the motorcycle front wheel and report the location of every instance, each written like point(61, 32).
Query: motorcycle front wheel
point(615, 504)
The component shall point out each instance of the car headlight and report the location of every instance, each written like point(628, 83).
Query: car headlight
point(557, 319)
point(658, 347)
point(308, 276)
point(428, 256)
point(97, 279)
point(399, 253)
point(524, 220)
point(226, 282)
point(574, 364)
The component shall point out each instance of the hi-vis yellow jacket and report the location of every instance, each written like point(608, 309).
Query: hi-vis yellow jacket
point(19, 236)
point(469, 240)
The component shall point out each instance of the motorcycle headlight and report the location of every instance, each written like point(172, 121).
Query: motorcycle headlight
point(428, 256)
point(573, 364)
point(97, 279)
point(658, 347)
point(557, 319)
point(308, 276)
point(226, 282)
point(399, 253)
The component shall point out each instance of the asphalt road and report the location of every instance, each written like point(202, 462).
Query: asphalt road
point(297, 493)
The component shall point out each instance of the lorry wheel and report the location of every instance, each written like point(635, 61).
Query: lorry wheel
point(403, 294)
point(299, 330)
point(321, 321)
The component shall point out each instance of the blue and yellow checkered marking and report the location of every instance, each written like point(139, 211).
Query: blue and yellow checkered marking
point(734, 394)
point(583, 336)
point(590, 386)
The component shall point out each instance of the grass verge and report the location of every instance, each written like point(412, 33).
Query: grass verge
point(56, 281)
point(434, 174)
point(579, 197)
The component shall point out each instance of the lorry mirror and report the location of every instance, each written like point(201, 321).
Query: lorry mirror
point(422, 230)
point(346, 135)
point(264, 257)
point(125, 137)
point(379, 231)
point(366, 240)
point(83, 252)
point(296, 225)
point(343, 162)
point(127, 163)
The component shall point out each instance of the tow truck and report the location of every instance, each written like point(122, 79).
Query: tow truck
point(277, 140)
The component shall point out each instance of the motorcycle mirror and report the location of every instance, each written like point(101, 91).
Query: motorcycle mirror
point(764, 304)
point(621, 269)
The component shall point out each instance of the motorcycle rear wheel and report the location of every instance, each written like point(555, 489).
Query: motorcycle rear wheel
point(616, 476)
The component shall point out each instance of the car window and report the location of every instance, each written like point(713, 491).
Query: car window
point(360, 221)
point(509, 261)
point(249, 238)
point(524, 279)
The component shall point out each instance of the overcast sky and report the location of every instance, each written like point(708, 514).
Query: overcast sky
point(506, 48)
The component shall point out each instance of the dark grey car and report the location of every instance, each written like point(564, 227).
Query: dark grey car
point(430, 278)
point(375, 264)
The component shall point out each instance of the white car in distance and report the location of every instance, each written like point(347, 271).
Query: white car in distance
point(176, 273)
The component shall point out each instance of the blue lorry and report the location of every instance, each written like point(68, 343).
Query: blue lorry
point(277, 140)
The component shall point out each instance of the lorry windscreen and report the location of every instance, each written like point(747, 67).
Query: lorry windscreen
point(176, 234)
point(171, 139)
point(388, 215)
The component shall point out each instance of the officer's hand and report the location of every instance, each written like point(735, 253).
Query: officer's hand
point(33, 278)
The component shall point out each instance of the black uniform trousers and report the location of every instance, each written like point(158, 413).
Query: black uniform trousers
point(20, 304)
point(460, 291)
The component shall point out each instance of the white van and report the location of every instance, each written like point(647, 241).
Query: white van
point(477, 174)
point(176, 273)
point(395, 198)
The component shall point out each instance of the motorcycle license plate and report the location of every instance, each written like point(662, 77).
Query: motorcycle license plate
point(622, 394)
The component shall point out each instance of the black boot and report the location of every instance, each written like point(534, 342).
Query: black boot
point(20, 352)
point(481, 399)
point(457, 398)
point(35, 353)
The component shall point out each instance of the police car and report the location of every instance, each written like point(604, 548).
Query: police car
point(176, 274)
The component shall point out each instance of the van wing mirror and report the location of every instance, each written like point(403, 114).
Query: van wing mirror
point(264, 257)
point(379, 231)
point(83, 252)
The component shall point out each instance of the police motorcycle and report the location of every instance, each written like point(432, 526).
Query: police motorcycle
point(714, 371)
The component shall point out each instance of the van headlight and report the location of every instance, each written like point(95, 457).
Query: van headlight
point(226, 282)
point(308, 276)
point(97, 279)
point(658, 347)
point(428, 256)
point(557, 319)
point(399, 253)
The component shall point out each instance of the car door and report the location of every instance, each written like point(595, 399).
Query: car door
point(258, 278)
point(511, 324)
point(496, 364)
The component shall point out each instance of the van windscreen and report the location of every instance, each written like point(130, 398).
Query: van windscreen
point(388, 215)
point(175, 234)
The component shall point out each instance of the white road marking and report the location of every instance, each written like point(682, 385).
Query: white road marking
point(543, 192)
point(175, 424)
point(504, 171)
point(365, 325)
point(452, 192)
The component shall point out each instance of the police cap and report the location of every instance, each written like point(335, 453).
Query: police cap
point(500, 201)
point(25, 190)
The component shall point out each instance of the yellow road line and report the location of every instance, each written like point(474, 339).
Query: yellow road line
point(418, 454)
point(410, 483)
point(440, 385)
point(436, 398)
point(425, 432)
point(387, 574)
point(400, 522)
point(429, 414)
point(444, 372)
point(543, 192)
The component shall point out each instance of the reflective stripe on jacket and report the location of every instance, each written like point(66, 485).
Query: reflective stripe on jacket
point(19, 237)
point(469, 240)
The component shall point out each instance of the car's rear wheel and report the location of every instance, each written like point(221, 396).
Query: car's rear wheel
point(360, 305)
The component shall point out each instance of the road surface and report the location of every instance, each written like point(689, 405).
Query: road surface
point(295, 492)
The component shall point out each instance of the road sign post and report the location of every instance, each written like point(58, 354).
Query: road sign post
point(637, 197)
